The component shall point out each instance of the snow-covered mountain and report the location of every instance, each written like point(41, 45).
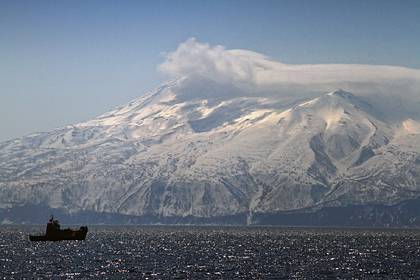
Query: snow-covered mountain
point(176, 153)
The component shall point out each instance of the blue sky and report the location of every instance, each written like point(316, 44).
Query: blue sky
point(66, 61)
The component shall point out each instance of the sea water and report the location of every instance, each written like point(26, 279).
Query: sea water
point(187, 252)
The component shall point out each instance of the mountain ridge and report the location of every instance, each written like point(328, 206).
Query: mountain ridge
point(167, 154)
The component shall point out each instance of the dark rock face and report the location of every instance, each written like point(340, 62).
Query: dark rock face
point(405, 214)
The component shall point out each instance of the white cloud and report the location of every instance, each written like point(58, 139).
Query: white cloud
point(219, 64)
point(260, 73)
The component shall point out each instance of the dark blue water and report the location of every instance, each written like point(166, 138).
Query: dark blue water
point(213, 253)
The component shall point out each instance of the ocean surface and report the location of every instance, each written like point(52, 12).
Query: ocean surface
point(186, 252)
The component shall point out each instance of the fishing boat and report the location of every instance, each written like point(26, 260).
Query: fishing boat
point(54, 233)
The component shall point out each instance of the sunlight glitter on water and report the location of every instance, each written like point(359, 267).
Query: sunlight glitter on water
point(158, 252)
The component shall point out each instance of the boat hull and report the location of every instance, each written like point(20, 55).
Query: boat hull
point(66, 234)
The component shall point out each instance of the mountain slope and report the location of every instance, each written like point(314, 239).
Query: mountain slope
point(172, 153)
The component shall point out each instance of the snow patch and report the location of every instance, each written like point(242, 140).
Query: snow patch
point(411, 126)
point(332, 118)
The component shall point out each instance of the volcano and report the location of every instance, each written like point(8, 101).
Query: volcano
point(214, 154)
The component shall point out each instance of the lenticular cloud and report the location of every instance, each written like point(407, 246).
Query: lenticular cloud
point(259, 73)
point(242, 66)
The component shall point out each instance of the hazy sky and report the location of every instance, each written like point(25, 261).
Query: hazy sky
point(66, 61)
